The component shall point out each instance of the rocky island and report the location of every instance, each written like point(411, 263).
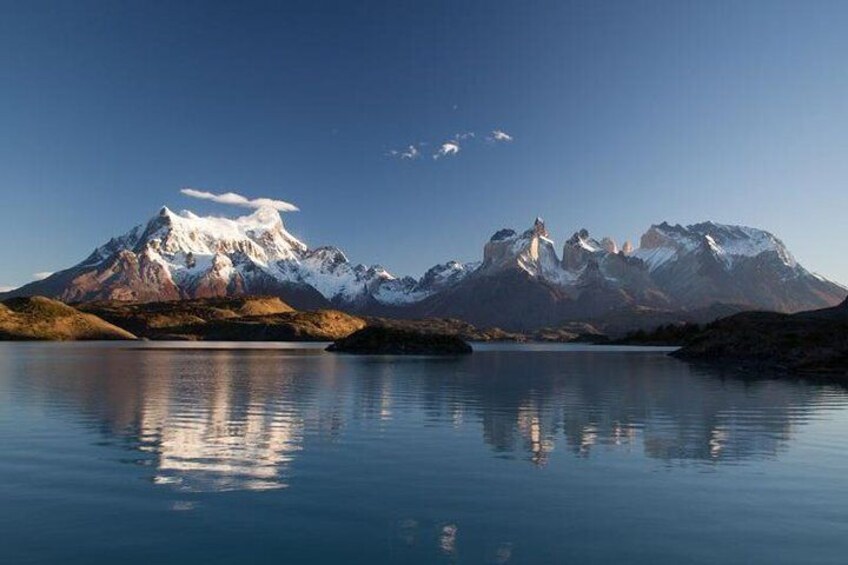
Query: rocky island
point(384, 340)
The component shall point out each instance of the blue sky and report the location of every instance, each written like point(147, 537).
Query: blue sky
point(622, 114)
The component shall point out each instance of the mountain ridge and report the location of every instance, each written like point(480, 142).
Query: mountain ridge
point(521, 282)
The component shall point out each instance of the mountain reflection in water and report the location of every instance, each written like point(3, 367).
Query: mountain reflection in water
point(217, 420)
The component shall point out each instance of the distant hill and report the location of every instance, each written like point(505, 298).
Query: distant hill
point(265, 318)
point(149, 319)
point(262, 318)
point(39, 318)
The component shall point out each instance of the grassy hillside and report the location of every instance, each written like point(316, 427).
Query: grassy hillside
point(154, 318)
point(38, 318)
point(227, 319)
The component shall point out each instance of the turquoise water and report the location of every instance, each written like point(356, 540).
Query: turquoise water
point(174, 453)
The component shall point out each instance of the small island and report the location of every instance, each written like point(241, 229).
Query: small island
point(382, 340)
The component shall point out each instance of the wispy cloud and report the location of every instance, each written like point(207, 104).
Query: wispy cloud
point(41, 275)
point(411, 153)
point(7, 288)
point(452, 146)
point(447, 148)
point(498, 135)
point(235, 199)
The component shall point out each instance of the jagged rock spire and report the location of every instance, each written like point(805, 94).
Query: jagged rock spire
point(539, 227)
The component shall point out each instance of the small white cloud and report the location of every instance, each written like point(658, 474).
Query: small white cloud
point(447, 148)
point(239, 200)
point(7, 288)
point(499, 135)
point(452, 146)
point(42, 275)
point(410, 153)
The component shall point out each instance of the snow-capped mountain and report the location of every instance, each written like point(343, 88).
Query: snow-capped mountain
point(710, 262)
point(691, 266)
point(521, 281)
point(182, 255)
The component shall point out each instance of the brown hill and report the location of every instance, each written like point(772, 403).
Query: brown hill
point(39, 318)
point(226, 319)
point(150, 319)
point(319, 325)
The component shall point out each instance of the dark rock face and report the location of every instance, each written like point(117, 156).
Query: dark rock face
point(505, 233)
point(381, 340)
point(814, 341)
point(512, 299)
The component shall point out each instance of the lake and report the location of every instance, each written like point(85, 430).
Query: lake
point(282, 453)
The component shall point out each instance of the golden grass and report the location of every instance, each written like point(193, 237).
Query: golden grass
point(39, 318)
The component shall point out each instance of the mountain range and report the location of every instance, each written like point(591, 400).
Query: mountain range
point(520, 283)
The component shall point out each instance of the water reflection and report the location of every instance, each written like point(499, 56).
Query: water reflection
point(239, 420)
point(218, 447)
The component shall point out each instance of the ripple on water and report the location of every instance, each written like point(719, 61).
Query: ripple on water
point(508, 455)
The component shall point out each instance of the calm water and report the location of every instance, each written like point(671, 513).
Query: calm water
point(143, 454)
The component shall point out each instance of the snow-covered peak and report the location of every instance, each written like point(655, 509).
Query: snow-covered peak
point(260, 235)
point(531, 251)
point(503, 234)
point(742, 241)
point(581, 250)
point(663, 243)
point(211, 255)
point(582, 240)
point(446, 274)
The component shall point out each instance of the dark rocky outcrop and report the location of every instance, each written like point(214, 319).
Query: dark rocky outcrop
point(813, 341)
point(452, 326)
point(513, 299)
point(673, 335)
point(384, 340)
